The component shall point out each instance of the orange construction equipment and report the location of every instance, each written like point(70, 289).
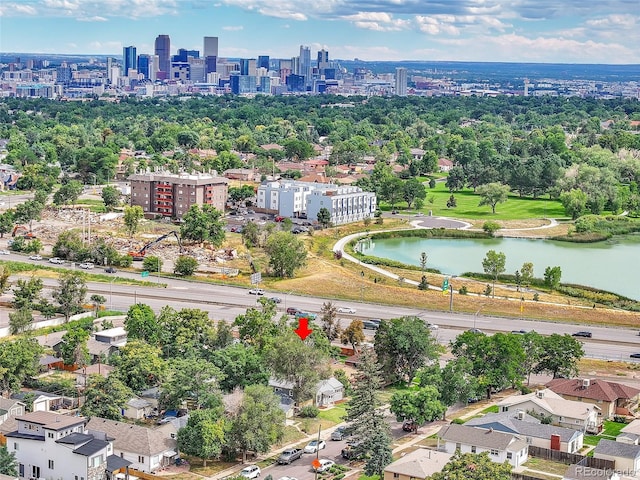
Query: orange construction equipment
point(139, 255)
point(28, 234)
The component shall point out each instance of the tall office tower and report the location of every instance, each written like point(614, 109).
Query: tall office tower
point(197, 70)
point(163, 51)
point(129, 59)
point(401, 81)
point(263, 61)
point(64, 73)
point(304, 67)
point(184, 54)
point(210, 54)
point(253, 70)
point(110, 64)
point(144, 61)
point(154, 66)
point(244, 66)
point(323, 59)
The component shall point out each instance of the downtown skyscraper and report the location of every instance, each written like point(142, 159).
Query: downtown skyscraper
point(210, 54)
point(163, 51)
point(129, 59)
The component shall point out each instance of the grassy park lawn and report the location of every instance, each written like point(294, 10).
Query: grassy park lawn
point(335, 414)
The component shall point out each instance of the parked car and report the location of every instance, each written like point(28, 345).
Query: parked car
point(518, 332)
point(338, 434)
point(252, 471)
point(110, 270)
point(289, 455)
point(582, 333)
point(409, 426)
point(4, 252)
point(287, 478)
point(634, 355)
point(87, 265)
point(275, 299)
point(314, 445)
point(292, 310)
point(346, 310)
point(432, 326)
point(349, 452)
point(256, 291)
point(325, 465)
point(475, 330)
point(35, 257)
point(56, 260)
point(369, 325)
point(279, 218)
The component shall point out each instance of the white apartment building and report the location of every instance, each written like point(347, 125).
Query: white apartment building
point(48, 445)
point(289, 198)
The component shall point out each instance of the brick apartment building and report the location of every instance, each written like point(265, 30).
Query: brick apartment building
point(171, 195)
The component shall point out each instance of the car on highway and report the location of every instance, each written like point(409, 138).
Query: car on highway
point(339, 434)
point(4, 252)
point(275, 299)
point(56, 260)
point(325, 465)
point(634, 355)
point(346, 310)
point(87, 265)
point(369, 325)
point(256, 291)
point(582, 333)
point(35, 257)
point(518, 332)
point(289, 455)
point(314, 445)
point(110, 270)
point(252, 471)
point(309, 315)
point(432, 326)
point(292, 310)
point(475, 330)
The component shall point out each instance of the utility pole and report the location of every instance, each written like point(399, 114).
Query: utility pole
point(317, 453)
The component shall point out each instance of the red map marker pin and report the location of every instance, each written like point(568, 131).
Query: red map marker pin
point(303, 330)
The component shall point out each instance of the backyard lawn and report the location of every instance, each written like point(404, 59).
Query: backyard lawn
point(335, 414)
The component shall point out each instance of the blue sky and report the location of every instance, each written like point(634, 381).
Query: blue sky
point(558, 31)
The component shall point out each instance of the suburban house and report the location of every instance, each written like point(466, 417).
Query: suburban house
point(501, 446)
point(625, 455)
point(327, 391)
point(138, 409)
point(578, 472)
point(611, 397)
point(10, 407)
point(628, 434)
point(148, 449)
point(42, 401)
point(49, 445)
point(417, 465)
point(106, 342)
point(532, 430)
point(563, 413)
point(444, 164)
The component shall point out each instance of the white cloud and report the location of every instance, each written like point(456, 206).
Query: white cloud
point(16, 10)
point(233, 28)
point(95, 18)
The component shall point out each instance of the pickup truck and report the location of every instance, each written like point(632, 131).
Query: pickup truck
point(289, 455)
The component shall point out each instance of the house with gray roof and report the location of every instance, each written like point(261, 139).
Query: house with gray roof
point(327, 391)
point(419, 464)
point(630, 433)
point(501, 446)
point(148, 449)
point(625, 455)
point(532, 430)
point(138, 408)
point(10, 407)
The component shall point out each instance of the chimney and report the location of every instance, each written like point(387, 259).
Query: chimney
point(540, 393)
point(520, 415)
point(586, 383)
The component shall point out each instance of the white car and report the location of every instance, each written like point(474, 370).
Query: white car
point(313, 446)
point(56, 260)
point(86, 265)
point(252, 471)
point(346, 310)
point(35, 257)
point(287, 478)
point(325, 465)
point(432, 326)
point(4, 252)
point(256, 291)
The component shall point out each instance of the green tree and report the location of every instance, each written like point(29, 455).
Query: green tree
point(412, 190)
point(193, 379)
point(403, 346)
point(203, 436)
point(259, 423)
point(527, 273)
point(422, 405)
point(456, 180)
point(74, 349)
point(324, 217)
point(552, 276)
point(33, 246)
point(20, 320)
point(256, 327)
point(491, 227)
point(110, 197)
point(185, 265)
point(532, 347)
point(452, 203)
point(152, 263)
point(5, 278)
point(241, 366)
point(329, 320)
point(105, 397)
point(139, 365)
point(286, 253)
point(185, 333)
point(97, 300)
point(251, 235)
point(423, 261)
point(353, 334)
point(494, 264)
point(203, 224)
point(492, 194)
point(8, 462)
point(391, 190)
point(26, 293)
point(7, 221)
point(141, 324)
point(132, 217)
point(28, 211)
point(18, 362)
point(471, 466)
point(70, 294)
point(574, 202)
point(68, 193)
point(560, 355)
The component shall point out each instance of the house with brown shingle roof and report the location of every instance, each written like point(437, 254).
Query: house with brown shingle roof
point(611, 397)
point(419, 464)
point(148, 449)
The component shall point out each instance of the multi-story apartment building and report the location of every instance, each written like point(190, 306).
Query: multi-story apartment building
point(299, 199)
point(171, 195)
point(50, 445)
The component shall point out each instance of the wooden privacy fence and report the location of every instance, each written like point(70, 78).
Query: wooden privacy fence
point(571, 458)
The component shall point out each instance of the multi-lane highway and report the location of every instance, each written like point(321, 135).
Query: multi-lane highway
point(225, 303)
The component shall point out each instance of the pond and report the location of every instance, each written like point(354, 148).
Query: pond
point(613, 265)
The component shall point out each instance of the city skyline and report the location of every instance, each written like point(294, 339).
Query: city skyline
point(542, 31)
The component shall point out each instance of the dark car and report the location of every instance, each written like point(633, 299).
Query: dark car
point(582, 334)
point(289, 455)
point(275, 299)
point(110, 270)
point(518, 332)
point(635, 355)
point(292, 310)
point(410, 426)
point(475, 330)
point(339, 434)
point(349, 452)
point(369, 325)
